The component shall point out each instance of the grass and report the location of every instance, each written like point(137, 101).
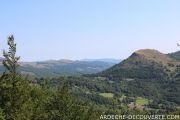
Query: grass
point(107, 95)
point(122, 97)
point(141, 101)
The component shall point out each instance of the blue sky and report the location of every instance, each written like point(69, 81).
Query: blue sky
point(80, 29)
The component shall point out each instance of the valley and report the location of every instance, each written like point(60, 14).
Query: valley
point(146, 83)
point(147, 80)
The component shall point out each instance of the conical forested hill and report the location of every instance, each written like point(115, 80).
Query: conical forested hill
point(144, 64)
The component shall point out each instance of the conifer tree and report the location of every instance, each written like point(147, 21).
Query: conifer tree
point(13, 88)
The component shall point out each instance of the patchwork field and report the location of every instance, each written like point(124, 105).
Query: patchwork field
point(141, 101)
point(107, 95)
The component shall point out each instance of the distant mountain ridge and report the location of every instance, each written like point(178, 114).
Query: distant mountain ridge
point(145, 63)
point(53, 68)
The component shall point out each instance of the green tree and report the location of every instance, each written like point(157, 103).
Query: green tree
point(13, 88)
point(41, 96)
point(64, 106)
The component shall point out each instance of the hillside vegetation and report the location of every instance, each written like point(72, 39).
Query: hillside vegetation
point(144, 64)
point(146, 83)
point(175, 55)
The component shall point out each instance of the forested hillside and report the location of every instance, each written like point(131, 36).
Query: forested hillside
point(144, 64)
point(147, 80)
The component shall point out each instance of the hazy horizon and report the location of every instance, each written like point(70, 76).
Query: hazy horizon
point(93, 29)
